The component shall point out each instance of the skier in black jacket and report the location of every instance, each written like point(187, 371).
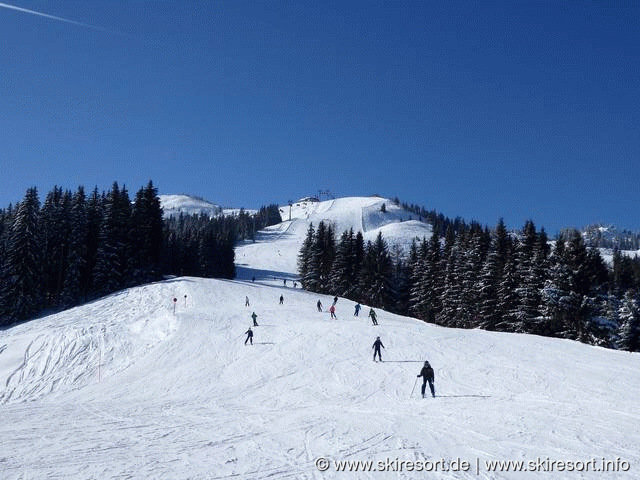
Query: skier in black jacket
point(249, 336)
point(427, 376)
point(376, 349)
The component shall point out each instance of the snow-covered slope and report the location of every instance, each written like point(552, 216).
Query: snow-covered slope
point(174, 205)
point(276, 248)
point(123, 387)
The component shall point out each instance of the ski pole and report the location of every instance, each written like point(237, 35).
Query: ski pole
point(414, 387)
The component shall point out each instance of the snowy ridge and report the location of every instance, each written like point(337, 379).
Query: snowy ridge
point(276, 248)
point(124, 388)
point(174, 205)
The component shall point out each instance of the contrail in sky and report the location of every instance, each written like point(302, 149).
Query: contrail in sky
point(53, 17)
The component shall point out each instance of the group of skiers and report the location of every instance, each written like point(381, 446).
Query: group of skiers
point(426, 373)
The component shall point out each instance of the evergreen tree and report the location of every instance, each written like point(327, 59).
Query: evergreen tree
point(22, 295)
point(76, 275)
point(307, 266)
point(55, 231)
point(377, 275)
point(342, 269)
point(147, 234)
point(114, 247)
point(629, 332)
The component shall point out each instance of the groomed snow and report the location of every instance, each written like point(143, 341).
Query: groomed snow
point(124, 388)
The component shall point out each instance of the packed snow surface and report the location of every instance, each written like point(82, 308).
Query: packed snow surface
point(276, 248)
point(137, 385)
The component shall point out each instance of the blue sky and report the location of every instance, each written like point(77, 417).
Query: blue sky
point(514, 109)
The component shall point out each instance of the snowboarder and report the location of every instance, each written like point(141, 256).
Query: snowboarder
point(249, 336)
point(372, 314)
point(246, 301)
point(427, 376)
point(254, 316)
point(376, 349)
point(332, 310)
point(319, 306)
point(355, 314)
point(281, 299)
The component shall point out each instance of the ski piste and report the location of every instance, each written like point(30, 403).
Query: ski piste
point(177, 398)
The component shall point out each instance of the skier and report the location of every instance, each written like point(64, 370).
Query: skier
point(333, 311)
point(376, 349)
point(246, 301)
point(254, 316)
point(335, 299)
point(319, 306)
point(427, 376)
point(249, 336)
point(355, 314)
point(281, 299)
point(372, 314)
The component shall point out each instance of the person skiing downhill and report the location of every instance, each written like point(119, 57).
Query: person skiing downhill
point(372, 314)
point(376, 349)
point(249, 336)
point(246, 301)
point(319, 304)
point(427, 376)
point(332, 310)
point(254, 316)
point(281, 299)
point(355, 314)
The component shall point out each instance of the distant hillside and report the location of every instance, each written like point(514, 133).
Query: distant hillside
point(174, 205)
point(608, 236)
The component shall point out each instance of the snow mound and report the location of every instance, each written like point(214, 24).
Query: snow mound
point(75, 348)
point(174, 205)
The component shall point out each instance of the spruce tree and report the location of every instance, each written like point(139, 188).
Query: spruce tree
point(76, 276)
point(147, 234)
point(629, 332)
point(22, 296)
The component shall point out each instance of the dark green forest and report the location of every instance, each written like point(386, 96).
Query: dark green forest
point(471, 276)
point(75, 247)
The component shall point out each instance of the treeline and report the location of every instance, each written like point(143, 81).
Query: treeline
point(599, 236)
point(481, 278)
point(76, 247)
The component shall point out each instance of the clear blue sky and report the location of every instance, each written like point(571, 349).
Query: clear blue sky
point(514, 109)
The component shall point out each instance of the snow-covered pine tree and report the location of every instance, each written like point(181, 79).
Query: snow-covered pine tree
point(417, 291)
point(377, 275)
point(629, 332)
point(304, 259)
point(341, 274)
